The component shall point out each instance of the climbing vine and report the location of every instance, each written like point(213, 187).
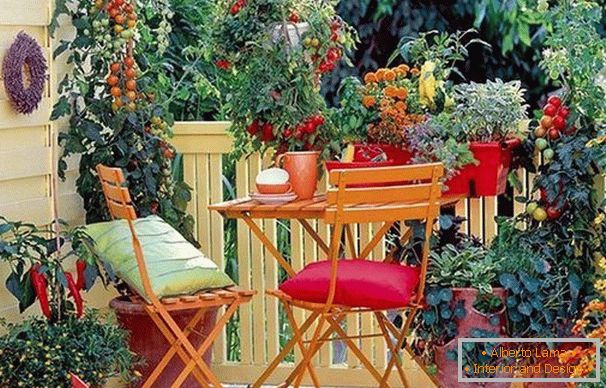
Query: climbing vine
point(113, 117)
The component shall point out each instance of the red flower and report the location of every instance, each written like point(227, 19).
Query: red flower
point(223, 64)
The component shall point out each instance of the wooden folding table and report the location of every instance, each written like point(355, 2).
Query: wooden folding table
point(302, 211)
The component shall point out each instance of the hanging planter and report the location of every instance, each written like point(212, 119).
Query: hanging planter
point(24, 93)
point(487, 178)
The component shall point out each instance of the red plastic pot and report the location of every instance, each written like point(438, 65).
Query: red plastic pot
point(148, 342)
point(489, 177)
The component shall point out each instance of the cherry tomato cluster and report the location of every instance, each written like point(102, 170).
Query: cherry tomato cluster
point(124, 17)
point(544, 209)
point(554, 120)
point(308, 127)
point(123, 84)
point(327, 63)
point(265, 131)
point(122, 80)
point(238, 5)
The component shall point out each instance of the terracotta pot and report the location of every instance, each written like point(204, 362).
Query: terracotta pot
point(303, 170)
point(148, 342)
point(474, 319)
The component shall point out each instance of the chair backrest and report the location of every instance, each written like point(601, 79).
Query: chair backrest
point(116, 195)
point(396, 193)
point(120, 206)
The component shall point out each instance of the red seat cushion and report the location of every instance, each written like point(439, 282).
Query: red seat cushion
point(360, 283)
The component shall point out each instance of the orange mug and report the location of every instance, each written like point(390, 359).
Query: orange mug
point(302, 168)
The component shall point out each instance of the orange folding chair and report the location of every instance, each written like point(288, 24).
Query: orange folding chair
point(120, 207)
point(334, 288)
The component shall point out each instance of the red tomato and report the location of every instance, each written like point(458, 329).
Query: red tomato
point(564, 112)
point(553, 213)
point(294, 17)
point(309, 127)
point(555, 101)
point(253, 128)
point(550, 110)
point(554, 134)
point(268, 132)
point(317, 120)
point(559, 123)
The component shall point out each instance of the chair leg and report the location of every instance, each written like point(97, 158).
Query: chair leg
point(207, 343)
point(312, 348)
point(394, 351)
point(175, 348)
point(171, 338)
point(299, 336)
point(356, 350)
point(400, 338)
point(192, 354)
point(285, 350)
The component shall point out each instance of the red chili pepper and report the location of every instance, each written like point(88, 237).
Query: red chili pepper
point(39, 283)
point(75, 293)
point(81, 267)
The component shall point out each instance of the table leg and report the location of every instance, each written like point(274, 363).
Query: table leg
point(268, 245)
point(308, 228)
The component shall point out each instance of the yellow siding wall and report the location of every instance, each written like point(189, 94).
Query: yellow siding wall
point(26, 142)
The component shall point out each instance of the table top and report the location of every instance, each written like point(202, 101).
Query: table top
point(314, 208)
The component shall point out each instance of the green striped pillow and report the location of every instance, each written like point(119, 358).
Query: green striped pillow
point(175, 266)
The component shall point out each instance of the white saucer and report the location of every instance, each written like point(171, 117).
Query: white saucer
point(274, 199)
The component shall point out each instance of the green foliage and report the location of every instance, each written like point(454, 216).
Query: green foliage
point(23, 246)
point(176, 47)
point(558, 253)
point(512, 28)
point(271, 76)
point(34, 353)
point(438, 139)
point(123, 132)
point(494, 110)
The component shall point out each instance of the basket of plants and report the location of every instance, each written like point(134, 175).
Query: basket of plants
point(416, 114)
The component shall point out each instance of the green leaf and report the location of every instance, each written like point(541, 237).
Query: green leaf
point(525, 308)
point(524, 33)
point(433, 297)
point(61, 108)
point(14, 286)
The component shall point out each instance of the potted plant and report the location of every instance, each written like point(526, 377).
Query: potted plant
point(460, 301)
point(272, 82)
point(43, 351)
point(492, 117)
point(403, 109)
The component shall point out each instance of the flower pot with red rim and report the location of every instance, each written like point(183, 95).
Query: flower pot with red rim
point(473, 320)
point(302, 169)
point(146, 340)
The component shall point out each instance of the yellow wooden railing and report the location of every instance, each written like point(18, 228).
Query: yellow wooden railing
point(204, 144)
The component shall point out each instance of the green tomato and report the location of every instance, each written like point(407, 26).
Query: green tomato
point(539, 214)
point(105, 22)
point(548, 154)
point(541, 144)
point(531, 207)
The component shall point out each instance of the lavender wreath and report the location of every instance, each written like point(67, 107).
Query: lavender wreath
point(24, 53)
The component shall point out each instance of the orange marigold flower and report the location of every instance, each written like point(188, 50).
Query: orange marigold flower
point(368, 101)
point(391, 91)
point(402, 93)
point(389, 75)
point(415, 72)
point(370, 78)
point(401, 106)
point(404, 67)
point(381, 74)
